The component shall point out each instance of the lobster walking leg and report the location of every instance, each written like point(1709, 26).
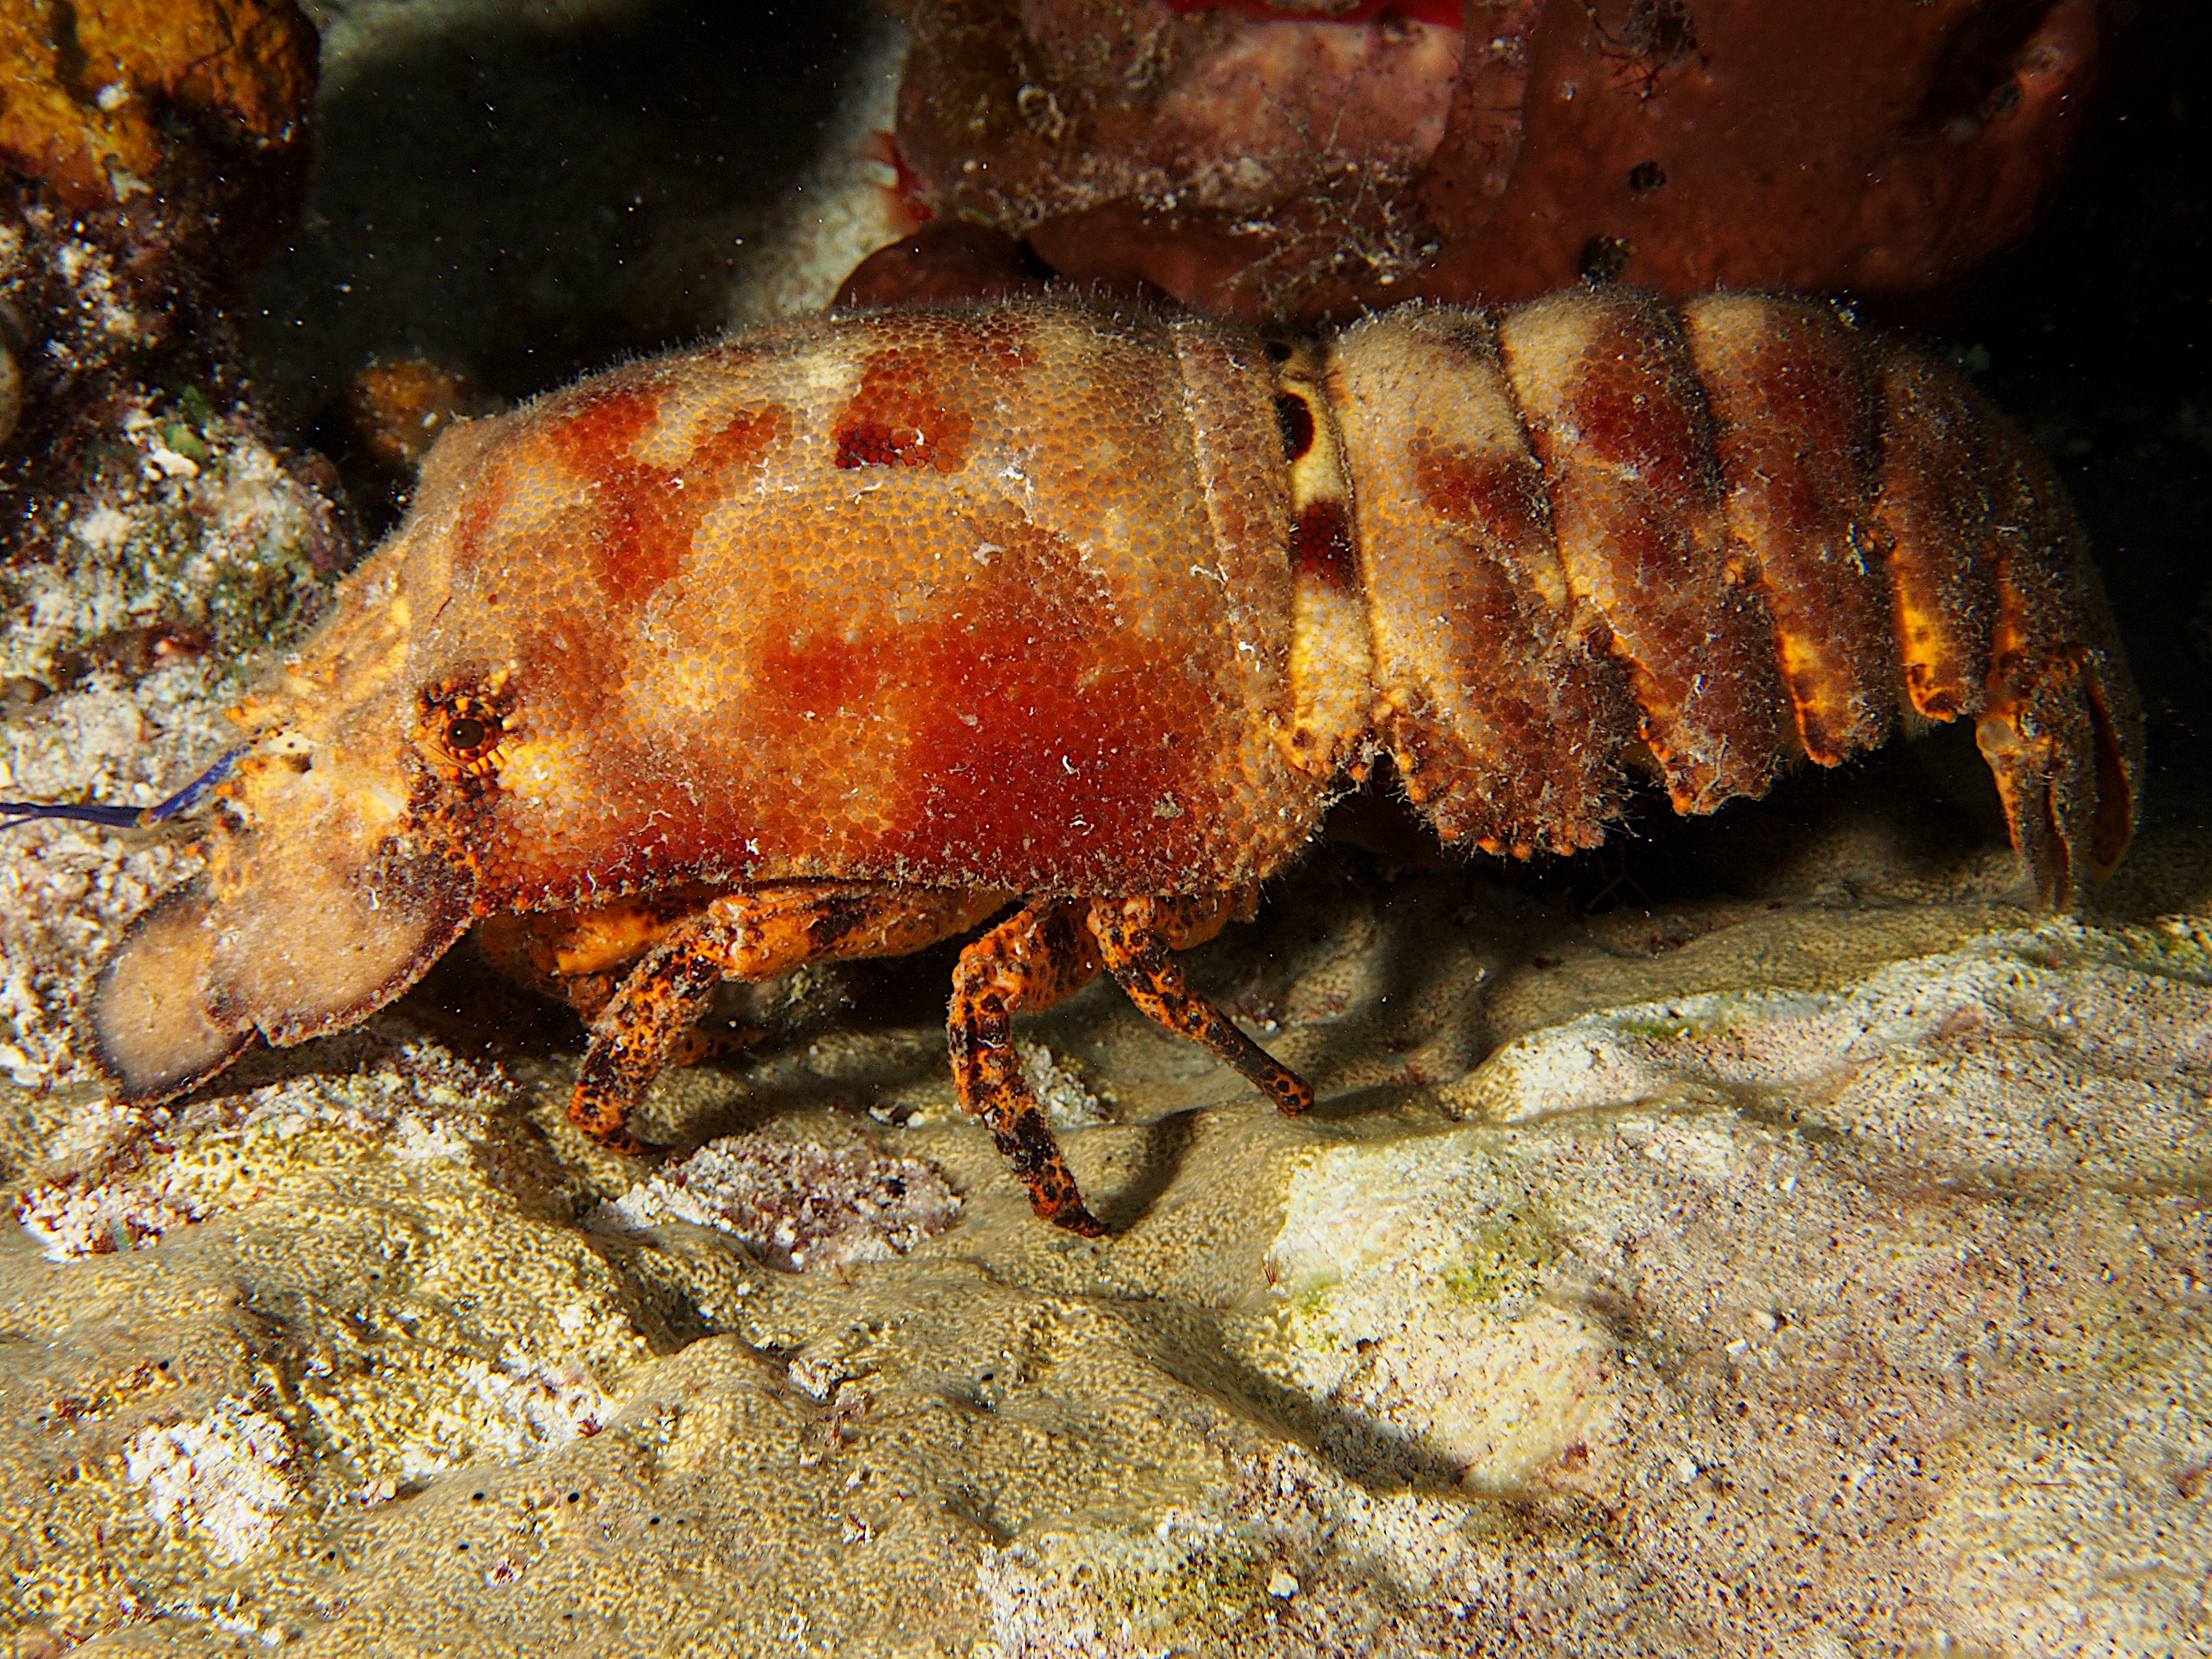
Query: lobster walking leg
point(1027, 963)
point(746, 935)
point(1134, 936)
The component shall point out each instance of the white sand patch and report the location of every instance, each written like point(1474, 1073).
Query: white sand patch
point(228, 1477)
point(798, 1206)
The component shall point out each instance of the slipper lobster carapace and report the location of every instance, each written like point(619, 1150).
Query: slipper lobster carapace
point(840, 638)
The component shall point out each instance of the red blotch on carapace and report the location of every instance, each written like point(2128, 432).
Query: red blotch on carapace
point(644, 515)
point(1076, 740)
point(905, 414)
point(1321, 546)
point(916, 405)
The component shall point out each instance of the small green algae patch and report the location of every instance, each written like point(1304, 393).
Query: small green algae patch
point(1507, 1259)
point(1656, 1030)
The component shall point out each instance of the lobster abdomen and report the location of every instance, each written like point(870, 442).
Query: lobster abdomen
point(1727, 536)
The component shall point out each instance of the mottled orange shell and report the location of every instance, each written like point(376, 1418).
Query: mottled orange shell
point(1038, 598)
point(988, 601)
point(1734, 535)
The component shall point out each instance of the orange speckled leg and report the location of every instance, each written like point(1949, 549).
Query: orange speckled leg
point(1028, 961)
point(745, 935)
point(1134, 936)
point(579, 956)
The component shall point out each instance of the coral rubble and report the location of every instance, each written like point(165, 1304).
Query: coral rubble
point(111, 100)
point(795, 1206)
point(151, 153)
point(224, 1475)
point(148, 154)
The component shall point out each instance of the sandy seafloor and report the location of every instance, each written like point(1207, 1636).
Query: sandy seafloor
point(1765, 1237)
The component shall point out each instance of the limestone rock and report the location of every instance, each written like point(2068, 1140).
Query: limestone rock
point(1747, 1320)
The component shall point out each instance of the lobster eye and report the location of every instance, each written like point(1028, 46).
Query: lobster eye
point(465, 727)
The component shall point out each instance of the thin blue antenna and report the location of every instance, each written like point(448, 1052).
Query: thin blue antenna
point(127, 818)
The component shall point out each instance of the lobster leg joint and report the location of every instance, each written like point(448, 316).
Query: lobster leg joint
point(746, 936)
point(1027, 963)
point(1134, 936)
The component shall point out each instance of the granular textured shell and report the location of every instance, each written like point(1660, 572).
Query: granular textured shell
point(1608, 535)
point(985, 600)
point(1496, 692)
